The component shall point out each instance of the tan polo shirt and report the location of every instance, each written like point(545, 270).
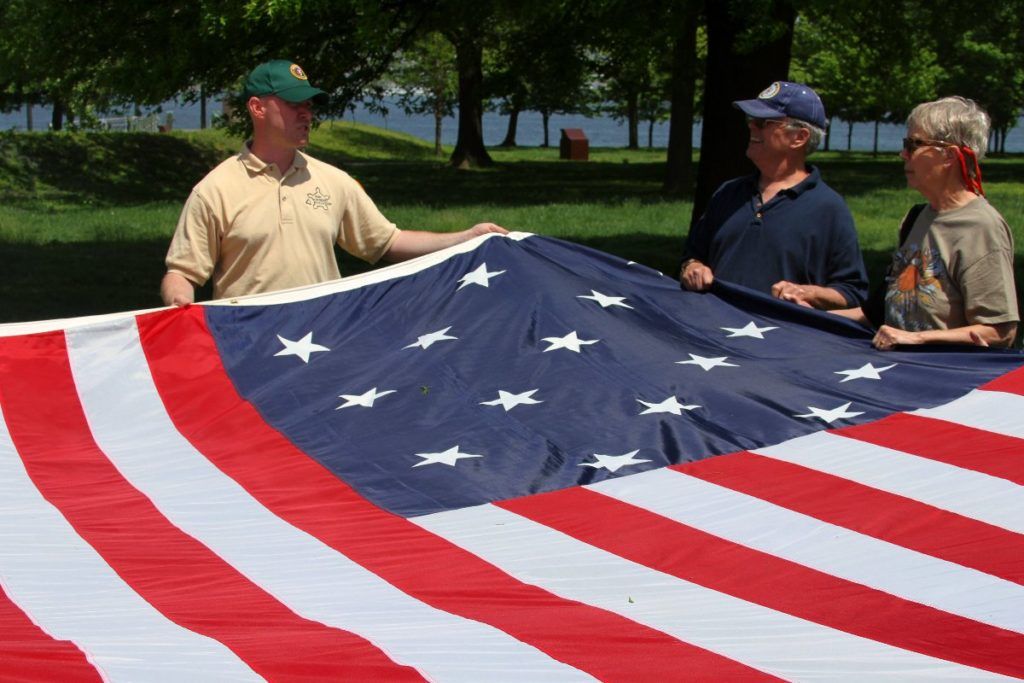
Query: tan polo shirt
point(255, 230)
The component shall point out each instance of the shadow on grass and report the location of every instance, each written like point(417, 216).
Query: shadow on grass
point(131, 168)
point(362, 144)
point(59, 280)
point(509, 184)
point(102, 168)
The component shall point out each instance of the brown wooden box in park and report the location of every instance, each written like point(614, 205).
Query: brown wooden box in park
point(574, 145)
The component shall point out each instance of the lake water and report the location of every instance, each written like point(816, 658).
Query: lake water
point(601, 131)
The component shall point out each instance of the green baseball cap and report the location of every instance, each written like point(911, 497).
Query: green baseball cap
point(283, 78)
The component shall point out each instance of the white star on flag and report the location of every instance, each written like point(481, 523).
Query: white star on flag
point(613, 463)
point(669, 405)
point(302, 348)
point(866, 371)
point(605, 300)
point(480, 276)
point(448, 457)
point(750, 330)
point(832, 415)
point(707, 363)
point(509, 400)
point(569, 341)
point(425, 340)
point(365, 399)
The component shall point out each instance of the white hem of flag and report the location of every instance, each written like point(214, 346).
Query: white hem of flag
point(283, 296)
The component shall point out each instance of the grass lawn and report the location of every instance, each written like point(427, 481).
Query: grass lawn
point(85, 218)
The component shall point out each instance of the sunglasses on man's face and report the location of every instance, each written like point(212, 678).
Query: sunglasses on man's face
point(761, 123)
point(911, 145)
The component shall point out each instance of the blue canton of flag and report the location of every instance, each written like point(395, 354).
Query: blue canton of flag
point(532, 365)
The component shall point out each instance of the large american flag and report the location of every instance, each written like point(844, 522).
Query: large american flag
point(495, 463)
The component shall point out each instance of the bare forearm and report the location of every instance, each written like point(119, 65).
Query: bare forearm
point(854, 314)
point(814, 296)
point(1001, 334)
point(824, 298)
point(176, 290)
point(992, 335)
point(412, 243)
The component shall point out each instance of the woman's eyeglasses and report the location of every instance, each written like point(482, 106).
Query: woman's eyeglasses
point(911, 145)
point(971, 173)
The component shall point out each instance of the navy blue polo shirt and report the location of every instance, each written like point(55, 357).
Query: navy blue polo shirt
point(804, 234)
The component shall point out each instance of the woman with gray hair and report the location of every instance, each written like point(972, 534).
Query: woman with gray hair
point(951, 277)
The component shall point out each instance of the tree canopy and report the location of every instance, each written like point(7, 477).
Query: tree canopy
point(871, 60)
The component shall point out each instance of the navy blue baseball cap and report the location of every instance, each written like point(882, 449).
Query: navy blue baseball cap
point(782, 99)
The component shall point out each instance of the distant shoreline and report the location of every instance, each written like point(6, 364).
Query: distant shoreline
point(601, 131)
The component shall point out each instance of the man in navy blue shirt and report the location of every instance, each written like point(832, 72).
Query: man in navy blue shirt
point(781, 230)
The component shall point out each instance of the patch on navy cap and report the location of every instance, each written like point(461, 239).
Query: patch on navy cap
point(770, 92)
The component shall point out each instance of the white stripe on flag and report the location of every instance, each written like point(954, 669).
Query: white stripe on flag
point(762, 638)
point(993, 411)
point(761, 525)
point(133, 430)
point(68, 590)
point(948, 487)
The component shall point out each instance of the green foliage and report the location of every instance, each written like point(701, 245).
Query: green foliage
point(868, 59)
point(540, 61)
point(101, 54)
point(984, 60)
point(99, 169)
point(633, 59)
point(425, 79)
point(874, 60)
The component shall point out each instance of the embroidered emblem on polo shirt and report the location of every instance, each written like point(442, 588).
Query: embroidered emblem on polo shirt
point(318, 200)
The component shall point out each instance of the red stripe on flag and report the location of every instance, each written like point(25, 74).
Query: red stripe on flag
point(230, 433)
point(1011, 383)
point(994, 454)
point(868, 511)
point(172, 571)
point(778, 584)
point(27, 653)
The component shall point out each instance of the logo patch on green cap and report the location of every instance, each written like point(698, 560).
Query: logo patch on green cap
point(283, 78)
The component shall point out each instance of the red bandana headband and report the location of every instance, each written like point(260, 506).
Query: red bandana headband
point(963, 153)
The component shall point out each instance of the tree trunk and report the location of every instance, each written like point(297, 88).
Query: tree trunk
point(202, 107)
point(57, 118)
point(513, 126)
point(438, 118)
point(545, 118)
point(679, 165)
point(28, 116)
point(633, 118)
point(874, 147)
point(469, 148)
point(849, 135)
point(828, 135)
point(650, 134)
point(733, 74)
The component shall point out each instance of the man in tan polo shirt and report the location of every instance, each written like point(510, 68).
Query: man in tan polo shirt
point(268, 218)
